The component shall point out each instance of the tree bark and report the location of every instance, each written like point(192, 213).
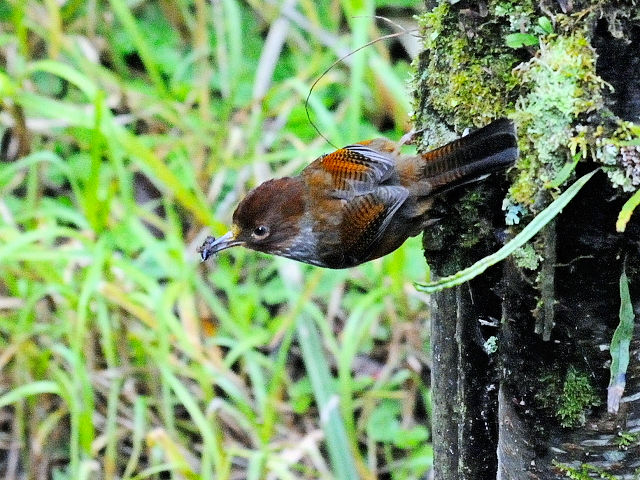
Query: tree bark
point(538, 407)
point(464, 377)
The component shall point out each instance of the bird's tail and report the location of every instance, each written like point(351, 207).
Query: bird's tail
point(469, 158)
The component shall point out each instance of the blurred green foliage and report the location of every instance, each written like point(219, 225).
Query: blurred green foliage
point(129, 129)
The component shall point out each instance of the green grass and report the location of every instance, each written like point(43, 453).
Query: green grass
point(130, 131)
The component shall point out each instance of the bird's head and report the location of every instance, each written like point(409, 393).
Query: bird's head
point(268, 219)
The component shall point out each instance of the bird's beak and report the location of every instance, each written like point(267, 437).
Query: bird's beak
point(212, 245)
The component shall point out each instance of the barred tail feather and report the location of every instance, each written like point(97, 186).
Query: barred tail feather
point(469, 158)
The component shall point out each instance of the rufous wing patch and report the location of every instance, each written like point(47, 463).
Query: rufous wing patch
point(354, 167)
point(362, 217)
point(366, 216)
point(344, 165)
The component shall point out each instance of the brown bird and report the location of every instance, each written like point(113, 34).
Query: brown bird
point(362, 201)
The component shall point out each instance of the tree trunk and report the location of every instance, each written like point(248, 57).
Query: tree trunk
point(464, 377)
point(536, 408)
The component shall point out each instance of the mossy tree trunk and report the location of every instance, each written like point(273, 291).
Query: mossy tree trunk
point(521, 354)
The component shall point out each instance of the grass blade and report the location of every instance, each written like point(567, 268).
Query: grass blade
point(359, 14)
point(327, 399)
point(70, 74)
point(211, 445)
point(144, 49)
point(34, 388)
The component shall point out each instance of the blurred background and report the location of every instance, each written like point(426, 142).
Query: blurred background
point(129, 131)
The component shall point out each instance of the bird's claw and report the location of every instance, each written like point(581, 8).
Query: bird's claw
point(409, 138)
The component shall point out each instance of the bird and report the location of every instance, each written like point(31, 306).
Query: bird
point(362, 201)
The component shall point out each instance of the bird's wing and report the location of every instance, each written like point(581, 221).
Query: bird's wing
point(365, 217)
point(353, 177)
point(355, 168)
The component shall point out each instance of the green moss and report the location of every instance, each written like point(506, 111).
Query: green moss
point(491, 345)
point(569, 398)
point(586, 471)
point(467, 76)
point(464, 78)
point(578, 395)
point(627, 439)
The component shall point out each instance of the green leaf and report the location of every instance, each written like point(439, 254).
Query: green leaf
point(66, 72)
point(627, 209)
point(411, 438)
point(519, 40)
point(383, 424)
point(545, 24)
point(207, 429)
point(619, 348)
point(301, 395)
point(7, 85)
point(518, 241)
point(142, 44)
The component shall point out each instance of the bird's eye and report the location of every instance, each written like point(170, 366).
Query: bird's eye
point(260, 232)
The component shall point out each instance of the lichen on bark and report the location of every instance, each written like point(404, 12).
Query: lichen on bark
point(561, 85)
